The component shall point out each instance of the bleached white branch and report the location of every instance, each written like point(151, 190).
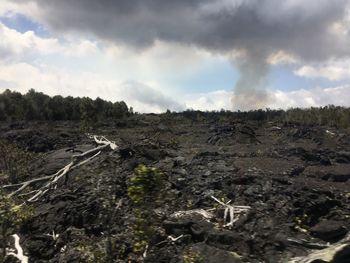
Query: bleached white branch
point(53, 182)
point(103, 140)
point(84, 154)
point(174, 239)
point(232, 211)
point(205, 214)
point(78, 160)
point(53, 235)
point(145, 252)
point(20, 256)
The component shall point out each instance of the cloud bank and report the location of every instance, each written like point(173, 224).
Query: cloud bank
point(313, 30)
point(253, 34)
point(333, 70)
point(308, 29)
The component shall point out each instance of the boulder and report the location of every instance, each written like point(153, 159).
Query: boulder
point(329, 230)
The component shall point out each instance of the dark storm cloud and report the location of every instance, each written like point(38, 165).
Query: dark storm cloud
point(300, 27)
point(260, 27)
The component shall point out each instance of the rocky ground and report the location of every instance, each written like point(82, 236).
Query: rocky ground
point(294, 179)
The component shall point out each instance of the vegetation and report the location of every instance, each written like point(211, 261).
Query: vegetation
point(37, 106)
point(11, 217)
point(14, 162)
point(331, 115)
point(92, 252)
point(145, 184)
point(145, 189)
point(191, 256)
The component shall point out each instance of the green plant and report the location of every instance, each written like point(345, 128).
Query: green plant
point(191, 256)
point(14, 161)
point(92, 252)
point(11, 217)
point(145, 185)
point(174, 143)
point(145, 188)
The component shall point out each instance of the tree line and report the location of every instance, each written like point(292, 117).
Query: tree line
point(330, 115)
point(37, 106)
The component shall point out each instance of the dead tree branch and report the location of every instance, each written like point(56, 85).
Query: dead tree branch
point(78, 160)
point(232, 210)
point(20, 256)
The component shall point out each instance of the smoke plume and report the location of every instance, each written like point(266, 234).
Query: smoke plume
point(250, 91)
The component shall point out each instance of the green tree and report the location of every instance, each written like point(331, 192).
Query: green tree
point(57, 108)
point(37, 105)
point(87, 114)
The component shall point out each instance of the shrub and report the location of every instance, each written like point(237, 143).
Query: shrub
point(191, 256)
point(11, 217)
point(146, 186)
point(14, 161)
point(91, 252)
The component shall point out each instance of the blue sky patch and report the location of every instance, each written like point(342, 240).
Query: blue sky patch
point(220, 75)
point(22, 23)
point(282, 77)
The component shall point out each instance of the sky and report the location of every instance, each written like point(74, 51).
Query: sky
point(198, 54)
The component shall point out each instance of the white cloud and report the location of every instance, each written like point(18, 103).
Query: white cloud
point(158, 66)
point(332, 71)
point(81, 67)
point(162, 60)
point(281, 57)
point(54, 81)
point(7, 7)
point(342, 27)
point(215, 100)
point(15, 45)
point(10, 7)
point(315, 97)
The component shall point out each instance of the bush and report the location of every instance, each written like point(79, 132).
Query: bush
point(14, 161)
point(145, 185)
point(145, 189)
point(11, 217)
point(191, 256)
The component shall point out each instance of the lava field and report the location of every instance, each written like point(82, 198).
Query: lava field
point(229, 192)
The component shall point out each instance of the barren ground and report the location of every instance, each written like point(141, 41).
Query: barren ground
point(295, 179)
